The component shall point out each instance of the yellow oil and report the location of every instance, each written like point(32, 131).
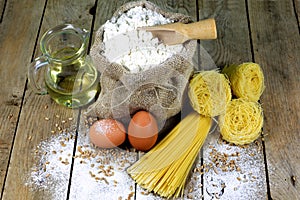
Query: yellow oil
point(72, 83)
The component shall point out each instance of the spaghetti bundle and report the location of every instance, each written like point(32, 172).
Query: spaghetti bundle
point(164, 169)
point(247, 80)
point(209, 93)
point(242, 122)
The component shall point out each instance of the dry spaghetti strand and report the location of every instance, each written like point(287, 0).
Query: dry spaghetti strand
point(242, 122)
point(247, 80)
point(165, 168)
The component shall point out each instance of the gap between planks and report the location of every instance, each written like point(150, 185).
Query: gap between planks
point(2, 9)
point(263, 143)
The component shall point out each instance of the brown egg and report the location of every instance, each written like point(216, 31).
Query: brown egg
point(107, 133)
point(142, 131)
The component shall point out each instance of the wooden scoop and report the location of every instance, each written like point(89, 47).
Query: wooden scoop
point(178, 33)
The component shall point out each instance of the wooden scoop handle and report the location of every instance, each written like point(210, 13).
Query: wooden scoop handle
point(204, 29)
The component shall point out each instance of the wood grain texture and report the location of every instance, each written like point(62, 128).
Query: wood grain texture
point(2, 8)
point(32, 126)
point(269, 36)
point(233, 43)
point(98, 185)
point(232, 46)
point(297, 11)
point(186, 7)
point(276, 45)
point(13, 61)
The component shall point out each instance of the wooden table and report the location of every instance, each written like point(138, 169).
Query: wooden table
point(265, 32)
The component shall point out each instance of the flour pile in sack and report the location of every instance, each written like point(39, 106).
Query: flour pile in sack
point(138, 72)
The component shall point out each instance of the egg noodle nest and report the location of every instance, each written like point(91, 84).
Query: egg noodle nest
point(242, 122)
point(209, 93)
point(247, 80)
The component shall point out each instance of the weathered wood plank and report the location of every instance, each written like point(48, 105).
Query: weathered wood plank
point(2, 7)
point(247, 179)
point(297, 10)
point(276, 45)
point(16, 31)
point(67, 11)
point(117, 183)
point(33, 126)
point(233, 43)
point(187, 7)
point(35, 172)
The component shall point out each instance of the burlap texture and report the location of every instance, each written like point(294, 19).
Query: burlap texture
point(158, 90)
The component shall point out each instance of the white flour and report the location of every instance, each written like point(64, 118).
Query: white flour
point(101, 174)
point(51, 169)
point(240, 173)
point(136, 50)
point(131, 20)
point(97, 173)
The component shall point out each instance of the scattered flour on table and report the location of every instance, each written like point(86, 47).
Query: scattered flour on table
point(101, 173)
point(52, 163)
point(136, 50)
point(233, 172)
point(229, 171)
point(97, 173)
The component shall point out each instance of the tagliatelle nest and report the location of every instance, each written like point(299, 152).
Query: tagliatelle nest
point(242, 122)
point(209, 93)
point(247, 80)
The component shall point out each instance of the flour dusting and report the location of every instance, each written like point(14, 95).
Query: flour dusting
point(52, 164)
point(227, 172)
point(101, 173)
point(136, 50)
point(97, 173)
point(233, 172)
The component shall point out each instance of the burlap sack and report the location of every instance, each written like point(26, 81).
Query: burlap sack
point(158, 90)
